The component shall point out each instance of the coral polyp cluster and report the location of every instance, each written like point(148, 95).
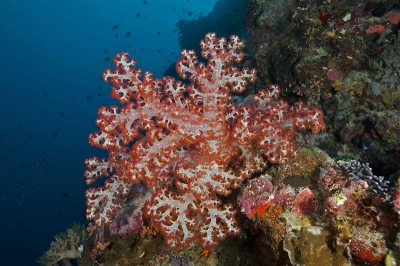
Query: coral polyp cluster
point(180, 140)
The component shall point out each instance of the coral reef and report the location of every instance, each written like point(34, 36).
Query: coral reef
point(340, 217)
point(198, 175)
point(309, 247)
point(260, 193)
point(66, 247)
point(188, 143)
point(343, 57)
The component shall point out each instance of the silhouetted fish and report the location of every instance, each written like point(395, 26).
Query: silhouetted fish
point(57, 136)
point(115, 26)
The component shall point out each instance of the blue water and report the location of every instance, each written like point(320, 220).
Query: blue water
point(52, 55)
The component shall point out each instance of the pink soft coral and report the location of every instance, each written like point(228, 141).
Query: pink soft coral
point(187, 141)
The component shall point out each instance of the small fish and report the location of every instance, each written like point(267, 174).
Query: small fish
point(142, 255)
point(57, 136)
point(127, 34)
point(115, 26)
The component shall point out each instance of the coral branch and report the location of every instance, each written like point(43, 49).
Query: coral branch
point(187, 142)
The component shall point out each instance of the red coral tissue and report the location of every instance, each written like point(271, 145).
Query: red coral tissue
point(187, 142)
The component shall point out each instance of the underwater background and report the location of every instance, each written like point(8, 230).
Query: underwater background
point(52, 56)
point(283, 152)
